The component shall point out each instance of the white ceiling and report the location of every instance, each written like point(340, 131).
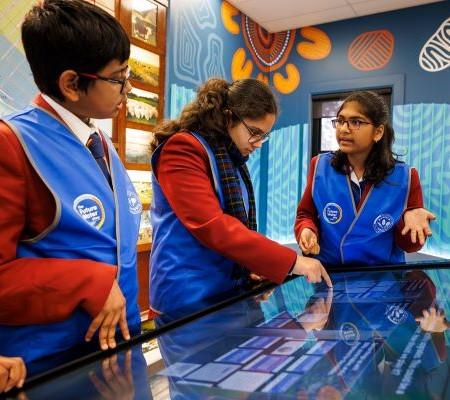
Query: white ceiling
point(280, 15)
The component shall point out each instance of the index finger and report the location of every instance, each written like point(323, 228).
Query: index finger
point(326, 277)
point(95, 324)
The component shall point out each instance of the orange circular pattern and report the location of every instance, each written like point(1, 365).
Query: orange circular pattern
point(269, 50)
point(371, 50)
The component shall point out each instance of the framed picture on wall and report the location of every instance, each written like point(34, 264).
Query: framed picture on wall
point(142, 182)
point(145, 229)
point(137, 146)
point(142, 107)
point(144, 17)
point(144, 66)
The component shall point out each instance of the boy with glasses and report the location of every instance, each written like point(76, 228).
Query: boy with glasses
point(70, 215)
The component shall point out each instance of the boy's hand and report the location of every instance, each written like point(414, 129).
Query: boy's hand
point(308, 242)
point(113, 313)
point(12, 373)
point(312, 269)
point(417, 221)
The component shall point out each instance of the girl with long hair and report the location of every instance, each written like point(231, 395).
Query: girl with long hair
point(203, 214)
point(360, 201)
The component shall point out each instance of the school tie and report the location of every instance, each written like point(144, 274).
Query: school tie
point(95, 145)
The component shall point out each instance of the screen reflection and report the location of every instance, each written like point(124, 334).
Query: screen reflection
point(373, 335)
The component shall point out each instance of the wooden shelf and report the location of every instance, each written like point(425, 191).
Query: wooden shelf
point(144, 247)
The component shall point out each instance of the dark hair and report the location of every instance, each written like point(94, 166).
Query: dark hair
point(60, 35)
point(209, 113)
point(381, 159)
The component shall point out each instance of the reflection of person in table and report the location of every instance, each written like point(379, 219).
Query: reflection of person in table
point(121, 376)
point(203, 340)
point(392, 315)
point(316, 313)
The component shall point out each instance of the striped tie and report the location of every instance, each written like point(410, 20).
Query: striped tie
point(95, 145)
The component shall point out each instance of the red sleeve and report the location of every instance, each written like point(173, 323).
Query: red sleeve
point(185, 177)
point(415, 200)
point(306, 211)
point(38, 290)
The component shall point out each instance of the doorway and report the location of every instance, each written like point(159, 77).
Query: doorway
point(324, 109)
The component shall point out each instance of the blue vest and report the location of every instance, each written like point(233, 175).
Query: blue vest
point(183, 271)
point(91, 222)
point(366, 236)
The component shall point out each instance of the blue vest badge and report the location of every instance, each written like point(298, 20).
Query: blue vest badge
point(91, 209)
point(332, 213)
point(383, 223)
point(349, 333)
point(134, 203)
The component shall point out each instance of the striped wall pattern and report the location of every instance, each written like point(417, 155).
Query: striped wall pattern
point(306, 156)
point(422, 134)
point(254, 166)
point(179, 97)
point(284, 174)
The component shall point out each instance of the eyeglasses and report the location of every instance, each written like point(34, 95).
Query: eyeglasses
point(121, 82)
point(256, 134)
point(352, 123)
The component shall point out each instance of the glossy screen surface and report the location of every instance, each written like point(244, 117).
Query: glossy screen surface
point(373, 335)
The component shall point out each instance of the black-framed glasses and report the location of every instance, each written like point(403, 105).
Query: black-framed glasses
point(352, 123)
point(256, 134)
point(121, 82)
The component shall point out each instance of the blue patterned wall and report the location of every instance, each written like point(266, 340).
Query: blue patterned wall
point(422, 134)
point(283, 176)
point(199, 47)
point(179, 97)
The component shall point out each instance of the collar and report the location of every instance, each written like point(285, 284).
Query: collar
point(353, 176)
point(80, 129)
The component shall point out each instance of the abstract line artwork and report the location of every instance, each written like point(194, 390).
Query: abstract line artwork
point(270, 51)
point(435, 54)
point(371, 50)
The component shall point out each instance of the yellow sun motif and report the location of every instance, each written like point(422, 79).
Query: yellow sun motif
point(270, 51)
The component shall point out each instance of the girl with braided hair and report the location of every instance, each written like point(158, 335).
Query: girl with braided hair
point(203, 214)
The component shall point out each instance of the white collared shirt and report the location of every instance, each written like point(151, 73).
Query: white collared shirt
point(81, 130)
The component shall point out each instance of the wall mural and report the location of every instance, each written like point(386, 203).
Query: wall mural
point(422, 138)
point(270, 51)
point(194, 61)
point(371, 50)
point(17, 87)
point(435, 54)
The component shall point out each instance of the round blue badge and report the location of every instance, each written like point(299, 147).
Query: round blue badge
point(349, 333)
point(383, 223)
point(397, 314)
point(332, 213)
point(91, 209)
point(135, 205)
